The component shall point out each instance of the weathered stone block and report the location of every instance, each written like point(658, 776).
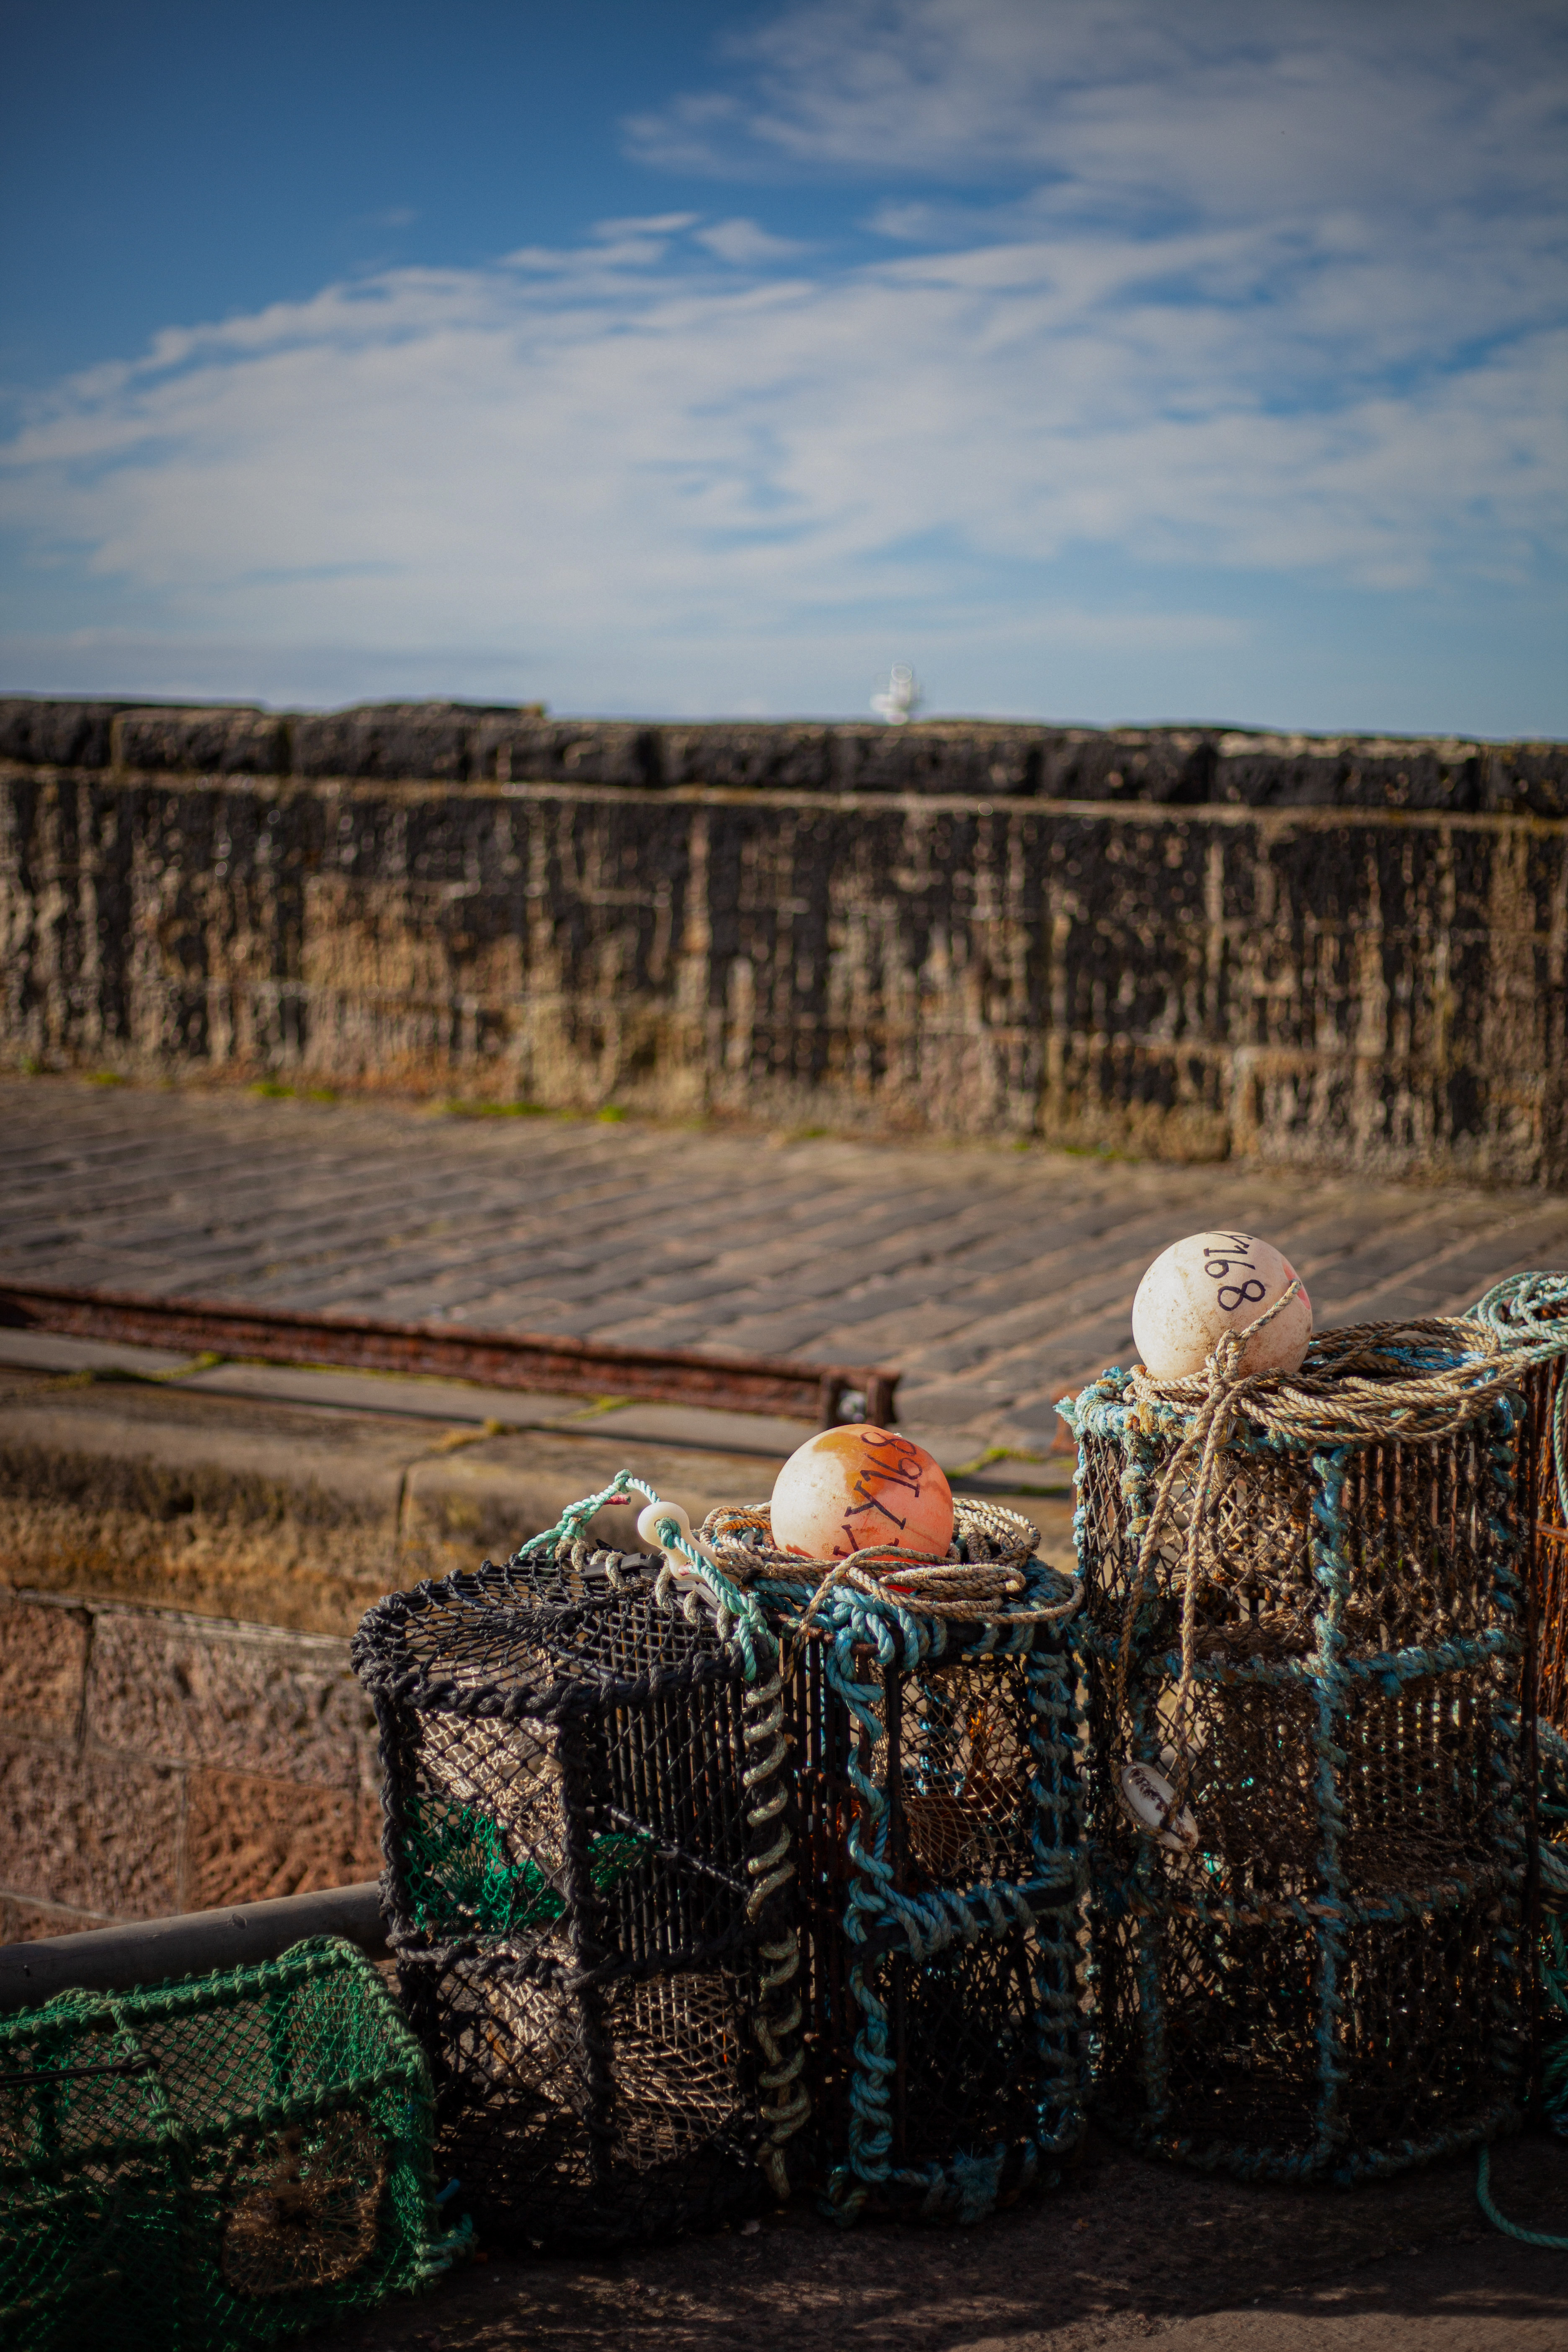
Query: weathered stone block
point(57, 734)
point(202, 743)
point(1526, 779)
point(1349, 771)
point(99, 1833)
point(178, 1691)
point(583, 751)
point(249, 1839)
point(936, 756)
point(386, 741)
point(43, 1653)
point(173, 1452)
point(762, 758)
point(1169, 765)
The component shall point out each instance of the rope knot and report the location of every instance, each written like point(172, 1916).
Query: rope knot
point(1224, 1385)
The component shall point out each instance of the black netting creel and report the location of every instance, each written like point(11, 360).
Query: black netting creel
point(570, 1829)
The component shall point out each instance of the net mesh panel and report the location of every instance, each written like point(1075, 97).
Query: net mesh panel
point(567, 1848)
point(1231, 2028)
point(1331, 1985)
point(225, 2161)
point(982, 2036)
point(1542, 1385)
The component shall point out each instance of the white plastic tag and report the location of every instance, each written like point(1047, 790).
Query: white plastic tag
point(1146, 1796)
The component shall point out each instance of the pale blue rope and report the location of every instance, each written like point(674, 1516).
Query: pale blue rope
point(1528, 1312)
point(1509, 2229)
point(738, 1612)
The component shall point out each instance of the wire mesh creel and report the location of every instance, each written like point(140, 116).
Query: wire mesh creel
point(1528, 1312)
point(940, 1861)
point(224, 2161)
point(929, 1828)
point(574, 1814)
point(1304, 1605)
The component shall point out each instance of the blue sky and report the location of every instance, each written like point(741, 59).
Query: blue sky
point(1104, 360)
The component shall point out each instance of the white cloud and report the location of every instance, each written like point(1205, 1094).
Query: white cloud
point(746, 244)
point(617, 455)
point(1233, 105)
point(644, 225)
point(1287, 298)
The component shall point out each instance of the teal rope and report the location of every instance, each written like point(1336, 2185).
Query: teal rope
point(442, 2253)
point(968, 2185)
point(569, 1526)
point(1529, 1314)
point(738, 1612)
point(1509, 2229)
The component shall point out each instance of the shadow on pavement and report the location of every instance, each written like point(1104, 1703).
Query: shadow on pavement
point(1126, 2251)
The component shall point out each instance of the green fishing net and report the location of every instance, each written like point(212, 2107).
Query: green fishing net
point(224, 2161)
point(461, 1879)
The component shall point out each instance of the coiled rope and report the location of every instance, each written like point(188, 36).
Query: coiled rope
point(981, 1575)
point(1528, 1312)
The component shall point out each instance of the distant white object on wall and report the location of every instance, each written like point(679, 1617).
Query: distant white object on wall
point(902, 698)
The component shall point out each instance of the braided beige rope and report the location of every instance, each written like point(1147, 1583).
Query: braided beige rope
point(1352, 1383)
point(935, 1587)
point(1354, 1386)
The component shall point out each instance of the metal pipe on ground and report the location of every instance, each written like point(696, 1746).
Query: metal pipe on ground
point(146, 1951)
point(504, 1359)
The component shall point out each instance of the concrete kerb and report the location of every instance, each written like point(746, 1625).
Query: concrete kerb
point(296, 1497)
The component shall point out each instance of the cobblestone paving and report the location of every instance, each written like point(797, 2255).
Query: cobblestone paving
point(992, 1277)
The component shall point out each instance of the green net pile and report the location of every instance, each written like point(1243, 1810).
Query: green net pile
point(460, 1875)
point(227, 2160)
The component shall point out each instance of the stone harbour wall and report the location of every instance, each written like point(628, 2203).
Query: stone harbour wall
point(447, 742)
point(1185, 943)
point(154, 1762)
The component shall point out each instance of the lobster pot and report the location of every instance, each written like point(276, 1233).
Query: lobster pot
point(1326, 1984)
point(567, 1843)
point(224, 2161)
point(1528, 1312)
point(940, 1880)
point(1545, 1385)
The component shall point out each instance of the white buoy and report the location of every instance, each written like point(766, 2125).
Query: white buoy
point(1210, 1284)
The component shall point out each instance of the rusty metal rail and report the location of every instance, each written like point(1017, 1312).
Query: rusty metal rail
point(827, 1393)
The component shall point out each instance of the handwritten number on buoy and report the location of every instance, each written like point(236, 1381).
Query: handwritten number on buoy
point(1232, 1294)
